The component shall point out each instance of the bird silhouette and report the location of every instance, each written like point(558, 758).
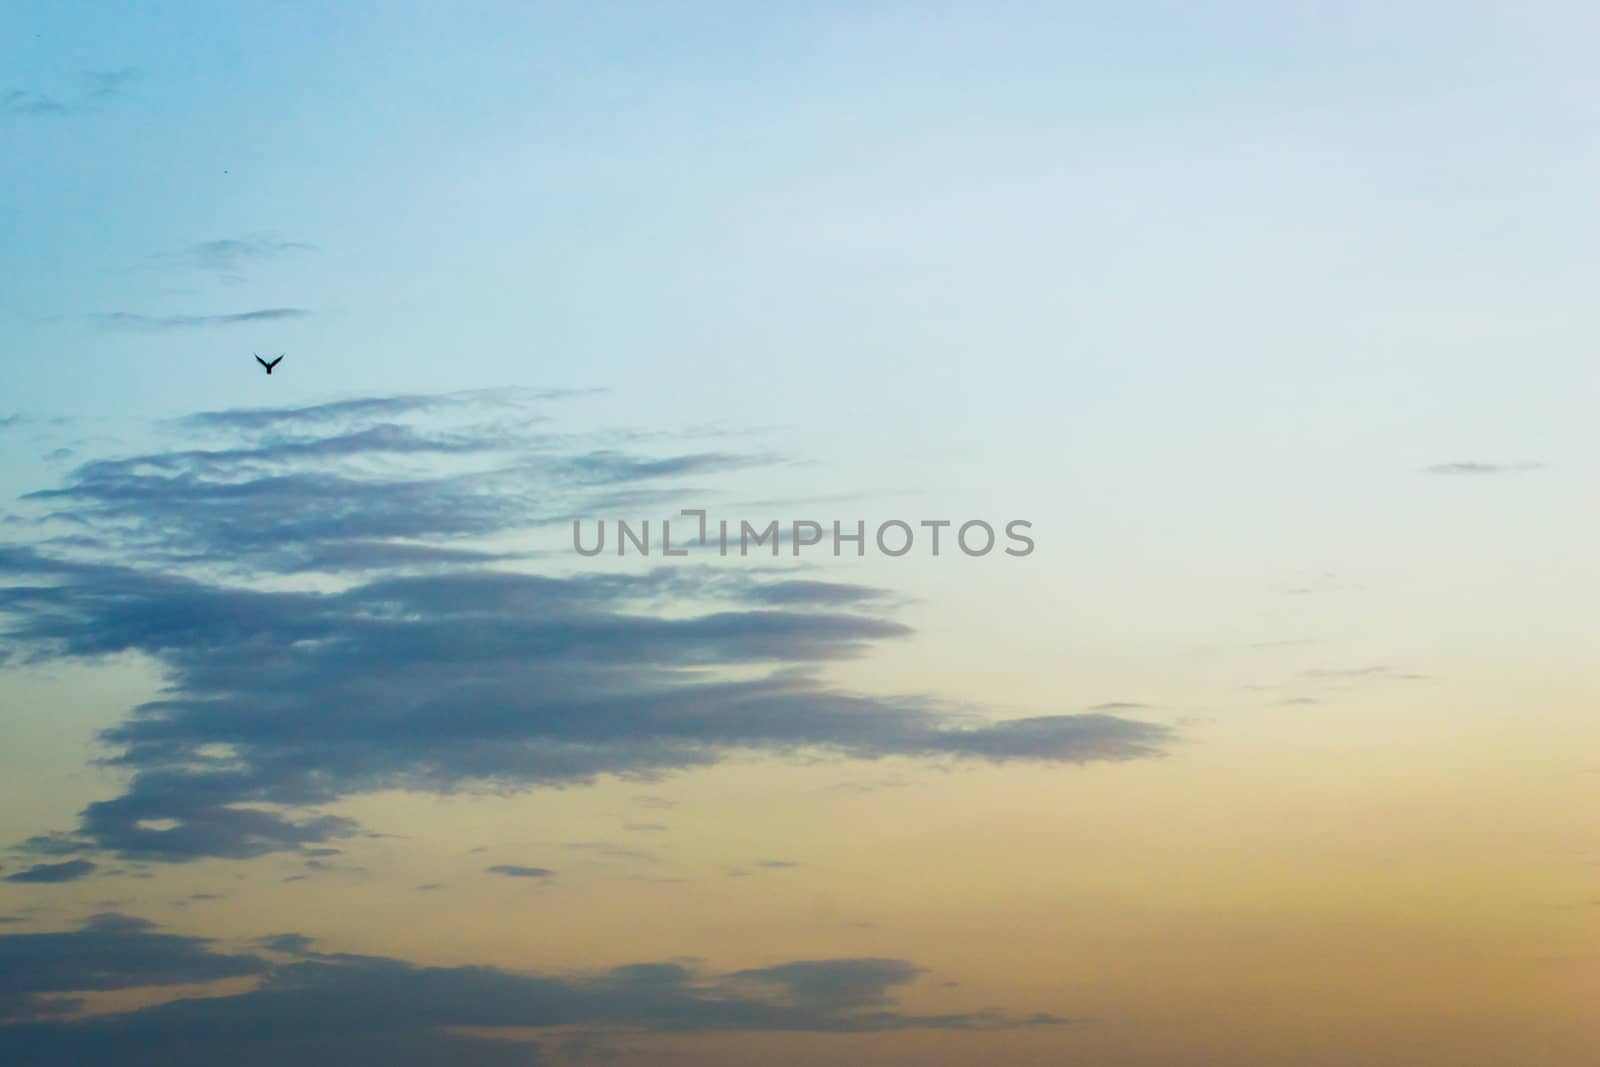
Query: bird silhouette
point(267, 365)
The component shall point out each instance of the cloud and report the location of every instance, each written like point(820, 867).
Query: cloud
point(512, 871)
point(96, 88)
point(289, 944)
point(366, 1010)
point(228, 255)
point(21, 102)
point(606, 850)
point(102, 84)
point(831, 984)
point(1481, 468)
point(777, 865)
point(367, 408)
point(814, 593)
point(303, 496)
point(421, 668)
point(128, 320)
point(108, 952)
point(1377, 672)
point(50, 844)
point(51, 873)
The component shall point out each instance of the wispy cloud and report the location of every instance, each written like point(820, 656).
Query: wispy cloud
point(357, 411)
point(232, 254)
point(127, 320)
point(49, 844)
point(104, 84)
point(1481, 468)
point(1375, 673)
point(95, 88)
point(608, 851)
point(21, 102)
point(50, 873)
point(514, 871)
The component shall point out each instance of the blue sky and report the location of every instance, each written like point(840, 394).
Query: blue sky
point(1274, 320)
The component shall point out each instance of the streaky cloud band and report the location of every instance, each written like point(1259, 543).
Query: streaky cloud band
point(390, 649)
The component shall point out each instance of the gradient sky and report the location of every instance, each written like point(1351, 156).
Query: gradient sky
point(318, 743)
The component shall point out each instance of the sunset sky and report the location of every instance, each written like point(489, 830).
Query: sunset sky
point(1274, 323)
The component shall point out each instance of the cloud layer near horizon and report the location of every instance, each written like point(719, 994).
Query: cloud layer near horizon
point(361, 1010)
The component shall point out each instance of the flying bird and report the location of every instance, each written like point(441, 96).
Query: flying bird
point(267, 365)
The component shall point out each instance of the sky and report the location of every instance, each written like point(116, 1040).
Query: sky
point(1270, 326)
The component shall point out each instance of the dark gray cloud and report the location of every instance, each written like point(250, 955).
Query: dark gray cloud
point(831, 984)
point(367, 1010)
point(777, 865)
point(51, 873)
point(280, 701)
point(513, 871)
point(289, 944)
point(109, 952)
point(1480, 468)
point(366, 555)
point(800, 592)
point(128, 320)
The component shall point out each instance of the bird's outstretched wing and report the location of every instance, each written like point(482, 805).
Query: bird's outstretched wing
point(261, 361)
point(275, 362)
